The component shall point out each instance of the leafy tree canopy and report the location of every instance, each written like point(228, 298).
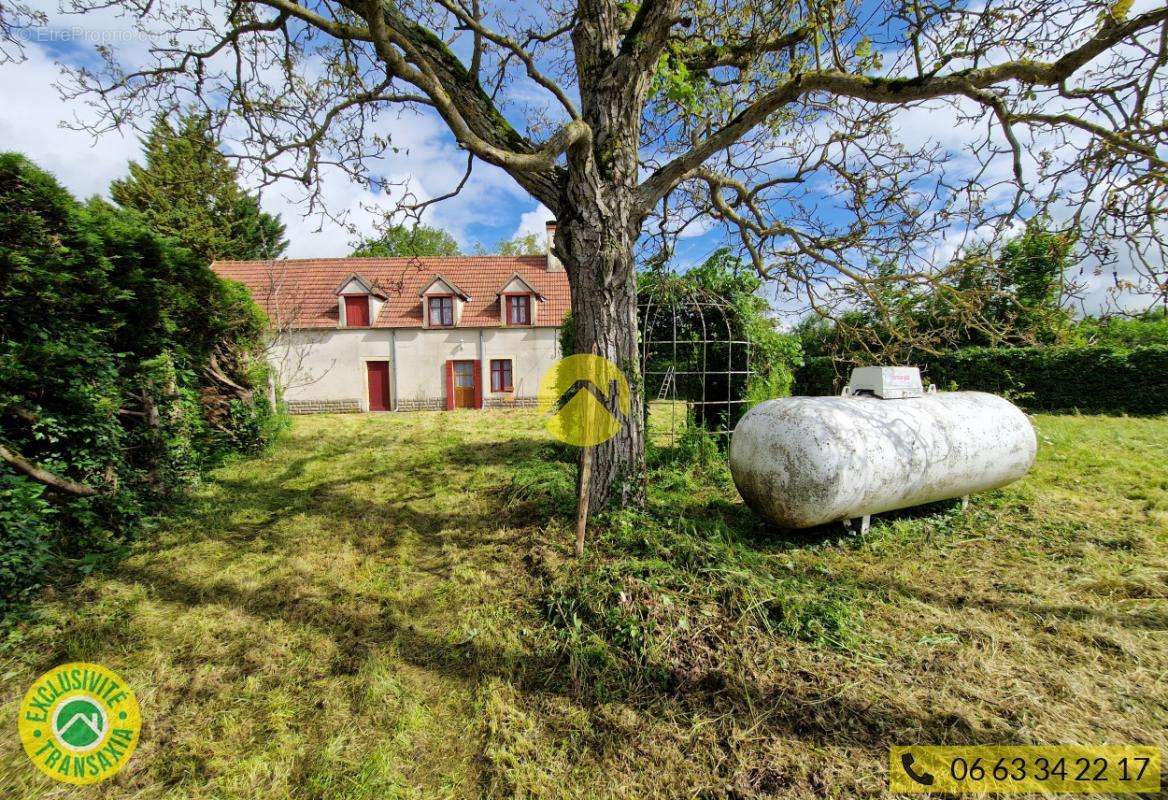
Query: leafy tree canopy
point(187, 189)
point(1150, 328)
point(1011, 295)
point(530, 244)
point(403, 241)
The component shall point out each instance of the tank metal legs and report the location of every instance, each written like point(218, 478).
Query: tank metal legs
point(857, 525)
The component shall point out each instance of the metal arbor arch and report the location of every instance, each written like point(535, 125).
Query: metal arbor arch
point(694, 351)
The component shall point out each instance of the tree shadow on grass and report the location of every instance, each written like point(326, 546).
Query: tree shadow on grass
point(249, 513)
point(761, 535)
point(807, 710)
point(1141, 619)
point(256, 506)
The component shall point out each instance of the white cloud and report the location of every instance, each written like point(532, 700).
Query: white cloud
point(427, 158)
point(428, 162)
point(696, 227)
point(31, 125)
point(534, 221)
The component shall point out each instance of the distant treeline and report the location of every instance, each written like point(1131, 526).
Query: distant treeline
point(1000, 325)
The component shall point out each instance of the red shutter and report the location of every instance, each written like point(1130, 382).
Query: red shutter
point(357, 312)
point(478, 384)
point(449, 385)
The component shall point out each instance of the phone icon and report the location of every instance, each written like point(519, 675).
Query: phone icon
point(923, 778)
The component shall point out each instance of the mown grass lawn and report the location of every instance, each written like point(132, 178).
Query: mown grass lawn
point(384, 606)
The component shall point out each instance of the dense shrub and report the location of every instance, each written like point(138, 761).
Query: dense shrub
point(1105, 380)
point(818, 376)
point(106, 335)
point(25, 534)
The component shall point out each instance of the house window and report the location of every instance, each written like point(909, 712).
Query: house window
point(501, 375)
point(357, 311)
point(519, 309)
point(441, 312)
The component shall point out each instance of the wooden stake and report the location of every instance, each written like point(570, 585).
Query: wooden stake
point(582, 502)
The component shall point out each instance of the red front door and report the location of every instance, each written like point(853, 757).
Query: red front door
point(378, 372)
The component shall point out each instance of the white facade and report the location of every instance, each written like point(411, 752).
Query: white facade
point(327, 370)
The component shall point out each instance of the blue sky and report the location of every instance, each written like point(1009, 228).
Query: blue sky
point(31, 124)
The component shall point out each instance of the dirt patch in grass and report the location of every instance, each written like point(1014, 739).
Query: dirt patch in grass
point(386, 606)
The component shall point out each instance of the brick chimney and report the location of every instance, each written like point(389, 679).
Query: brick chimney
point(553, 263)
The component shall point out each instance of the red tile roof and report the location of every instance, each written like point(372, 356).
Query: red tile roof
point(301, 293)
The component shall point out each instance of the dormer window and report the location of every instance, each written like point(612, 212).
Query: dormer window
point(441, 310)
point(442, 303)
point(358, 302)
point(517, 301)
point(357, 311)
point(518, 309)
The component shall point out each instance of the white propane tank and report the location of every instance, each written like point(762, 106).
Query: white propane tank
point(805, 461)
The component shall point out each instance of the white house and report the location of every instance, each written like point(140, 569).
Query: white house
point(401, 334)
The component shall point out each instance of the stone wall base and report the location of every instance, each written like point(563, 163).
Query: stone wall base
point(509, 402)
point(324, 406)
point(352, 406)
point(432, 404)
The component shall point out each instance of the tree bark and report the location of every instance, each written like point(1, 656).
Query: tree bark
point(599, 218)
point(597, 251)
point(42, 475)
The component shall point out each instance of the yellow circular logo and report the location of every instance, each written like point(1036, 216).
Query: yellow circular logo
point(586, 399)
point(79, 723)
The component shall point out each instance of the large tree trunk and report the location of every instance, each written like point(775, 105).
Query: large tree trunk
point(597, 251)
point(599, 221)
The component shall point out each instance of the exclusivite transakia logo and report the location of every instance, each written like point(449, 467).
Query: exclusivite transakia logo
point(79, 723)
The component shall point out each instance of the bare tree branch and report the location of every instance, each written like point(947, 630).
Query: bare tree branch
point(898, 91)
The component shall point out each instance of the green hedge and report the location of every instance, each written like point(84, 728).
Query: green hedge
point(1103, 380)
point(819, 375)
point(106, 330)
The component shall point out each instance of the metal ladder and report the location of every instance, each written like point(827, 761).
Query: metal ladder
point(666, 383)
